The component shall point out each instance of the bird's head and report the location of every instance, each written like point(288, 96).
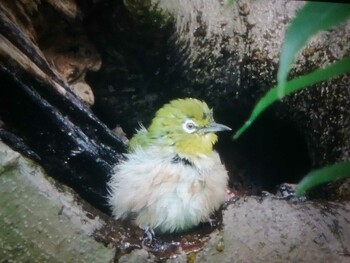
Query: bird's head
point(187, 125)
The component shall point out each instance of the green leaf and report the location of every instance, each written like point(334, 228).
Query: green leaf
point(313, 17)
point(323, 175)
point(333, 70)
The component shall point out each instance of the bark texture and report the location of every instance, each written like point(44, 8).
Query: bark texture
point(41, 220)
point(272, 230)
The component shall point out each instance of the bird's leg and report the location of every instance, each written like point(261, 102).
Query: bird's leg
point(286, 191)
point(212, 222)
point(230, 194)
point(148, 234)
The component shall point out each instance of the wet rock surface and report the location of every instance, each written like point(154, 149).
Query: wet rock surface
point(41, 220)
point(47, 222)
point(274, 230)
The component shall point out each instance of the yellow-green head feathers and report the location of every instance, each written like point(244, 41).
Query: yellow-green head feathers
point(187, 125)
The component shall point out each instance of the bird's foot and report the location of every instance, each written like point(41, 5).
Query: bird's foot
point(212, 222)
point(148, 234)
point(286, 191)
point(231, 198)
point(230, 195)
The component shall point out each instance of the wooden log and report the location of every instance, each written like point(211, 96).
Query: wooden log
point(38, 106)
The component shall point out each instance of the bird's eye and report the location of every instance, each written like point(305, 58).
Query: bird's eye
point(189, 126)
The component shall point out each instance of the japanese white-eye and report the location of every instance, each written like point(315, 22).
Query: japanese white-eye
point(171, 179)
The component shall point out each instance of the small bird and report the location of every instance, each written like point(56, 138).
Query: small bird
point(171, 180)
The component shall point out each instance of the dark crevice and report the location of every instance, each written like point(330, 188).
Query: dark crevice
point(271, 152)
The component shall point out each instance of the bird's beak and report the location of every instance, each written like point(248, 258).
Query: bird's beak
point(215, 127)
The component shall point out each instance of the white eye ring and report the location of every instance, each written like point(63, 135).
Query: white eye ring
point(189, 126)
